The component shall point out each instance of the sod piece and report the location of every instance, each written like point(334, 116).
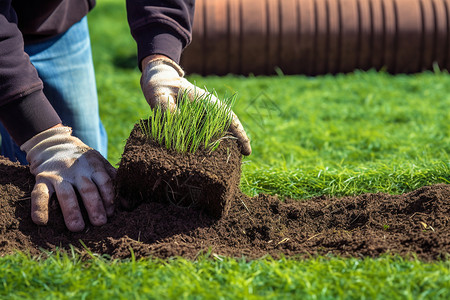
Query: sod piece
point(148, 172)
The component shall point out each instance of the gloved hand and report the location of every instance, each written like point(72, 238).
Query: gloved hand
point(162, 81)
point(61, 162)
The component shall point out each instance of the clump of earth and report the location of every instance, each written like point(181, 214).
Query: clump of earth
point(231, 223)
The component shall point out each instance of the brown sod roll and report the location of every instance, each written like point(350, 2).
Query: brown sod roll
point(365, 36)
point(428, 37)
point(334, 29)
point(254, 50)
point(318, 36)
point(446, 65)
point(348, 36)
point(409, 43)
point(441, 32)
point(377, 32)
point(319, 65)
point(193, 57)
point(307, 35)
point(233, 52)
point(390, 34)
point(289, 44)
point(215, 21)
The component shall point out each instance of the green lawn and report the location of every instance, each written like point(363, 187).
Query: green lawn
point(342, 135)
point(66, 277)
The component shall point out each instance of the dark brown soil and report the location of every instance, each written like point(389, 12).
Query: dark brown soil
point(367, 225)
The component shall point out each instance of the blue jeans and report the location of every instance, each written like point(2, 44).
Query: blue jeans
point(64, 63)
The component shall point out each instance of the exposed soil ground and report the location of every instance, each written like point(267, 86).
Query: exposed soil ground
point(367, 225)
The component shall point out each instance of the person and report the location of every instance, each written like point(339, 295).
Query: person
point(48, 101)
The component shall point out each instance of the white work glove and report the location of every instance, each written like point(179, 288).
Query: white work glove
point(61, 162)
point(162, 81)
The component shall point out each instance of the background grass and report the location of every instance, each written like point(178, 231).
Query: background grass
point(337, 135)
point(343, 135)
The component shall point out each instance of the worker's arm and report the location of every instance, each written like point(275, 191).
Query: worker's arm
point(59, 161)
point(24, 109)
point(161, 27)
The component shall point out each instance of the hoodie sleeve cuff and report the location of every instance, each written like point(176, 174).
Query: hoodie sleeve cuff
point(154, 39)
point(28, 116)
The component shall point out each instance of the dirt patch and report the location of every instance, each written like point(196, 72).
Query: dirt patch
point(367, 225)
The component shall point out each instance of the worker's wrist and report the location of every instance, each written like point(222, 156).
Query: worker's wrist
point(161, 59)
point(26, 117)
point(151, 58)
point(156, 38)
point(53, 135)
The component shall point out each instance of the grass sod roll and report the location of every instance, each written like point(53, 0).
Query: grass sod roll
point(184, 158)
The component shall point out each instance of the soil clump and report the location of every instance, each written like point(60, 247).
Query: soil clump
point(366, 225)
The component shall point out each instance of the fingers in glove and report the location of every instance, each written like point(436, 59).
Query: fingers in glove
point(193, 91)
point(105, 186)
point(69, 206)
point(92, 201)
point(236, 127)
point(98, 162)
point(102, 175)
point(166, 100)
point(163, 96)
point(238, 131)
point(112, 172)
point(40, 199)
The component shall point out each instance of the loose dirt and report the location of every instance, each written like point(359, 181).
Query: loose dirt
point(366, 225)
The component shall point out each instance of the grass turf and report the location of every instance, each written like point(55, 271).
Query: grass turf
point(343, 135)
point(349, 134)
point(65, 277)
point(200, 122)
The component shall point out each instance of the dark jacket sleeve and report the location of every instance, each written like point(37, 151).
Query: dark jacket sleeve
point(24, 110)
point(161, 27)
